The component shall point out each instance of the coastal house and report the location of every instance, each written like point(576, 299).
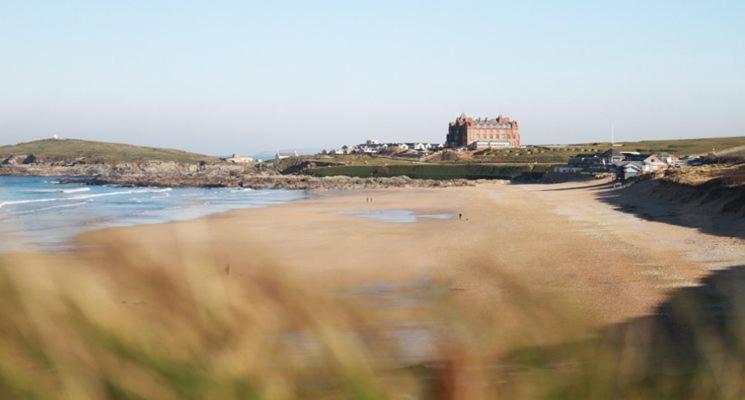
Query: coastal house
point(625, 164)
point(611, 156)
point(589, 163)
point(653, 164)
point(236, 159)
point(398, 146)
point(418, 147)
point(568, 169)
point(374, 146)
point(625, 170)
point(281, 156)
point(650, 162)
point(489, 144)
point(669, 159)
point(370, 147)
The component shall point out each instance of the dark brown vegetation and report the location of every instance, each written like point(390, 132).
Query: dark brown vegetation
point(729, 175)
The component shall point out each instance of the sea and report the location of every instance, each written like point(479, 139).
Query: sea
point(42, 214)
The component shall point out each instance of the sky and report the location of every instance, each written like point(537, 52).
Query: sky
point(221, 77)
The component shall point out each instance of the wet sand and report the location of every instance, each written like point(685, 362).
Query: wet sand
point(556, 239)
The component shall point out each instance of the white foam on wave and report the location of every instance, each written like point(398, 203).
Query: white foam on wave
point(44, 191)
point(134, 191)
point(78, 190)
point(82, 197)
point(50, 208)
point(14, 202)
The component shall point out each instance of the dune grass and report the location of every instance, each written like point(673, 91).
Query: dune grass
point(124, 323)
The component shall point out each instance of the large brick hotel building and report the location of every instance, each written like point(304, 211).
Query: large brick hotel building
point(483, 133)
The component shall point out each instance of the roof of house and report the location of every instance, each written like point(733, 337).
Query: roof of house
point(634, 165)
point(638, 157)
point(628, 164)
point(612, 153)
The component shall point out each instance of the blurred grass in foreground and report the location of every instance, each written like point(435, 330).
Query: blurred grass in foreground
point(124, 323)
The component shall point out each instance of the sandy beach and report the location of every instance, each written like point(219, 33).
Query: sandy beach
point(558, 240)
point(494, 288)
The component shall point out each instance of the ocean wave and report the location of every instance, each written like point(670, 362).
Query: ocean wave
point(82, 197)
point(44, 191)
point(15, 202)
point(75, 190)
point(50, 208)
point(134, 191)
point(78, 190)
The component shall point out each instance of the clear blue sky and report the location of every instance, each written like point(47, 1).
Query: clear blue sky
point(243, 76)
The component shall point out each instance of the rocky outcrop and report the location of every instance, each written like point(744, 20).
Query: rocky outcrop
point(293, 182)
point(171, 174)
point(13, 160)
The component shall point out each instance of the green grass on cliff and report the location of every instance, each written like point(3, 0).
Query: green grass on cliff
point(438, 171)
point(98, 152)
point(678, 147)
point(521, 163)
point(682, 147)
point(530, 155)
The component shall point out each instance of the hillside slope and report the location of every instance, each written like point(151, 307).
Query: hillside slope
point(682, 147)
point(52, 150)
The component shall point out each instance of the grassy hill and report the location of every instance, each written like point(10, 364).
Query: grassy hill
point(545, 155)
point(682, 147)
point(98, 152)
point(505, 163)
point(678, 147)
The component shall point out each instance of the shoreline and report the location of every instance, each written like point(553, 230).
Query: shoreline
point(29, 226)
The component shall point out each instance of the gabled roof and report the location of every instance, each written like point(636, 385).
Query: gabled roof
point(612, 152)
point(634, 165)
point(638, 157)
point(628, 164)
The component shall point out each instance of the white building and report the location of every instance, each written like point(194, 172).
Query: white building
point(489, 144)
point(280, 156)
point(236, 159)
